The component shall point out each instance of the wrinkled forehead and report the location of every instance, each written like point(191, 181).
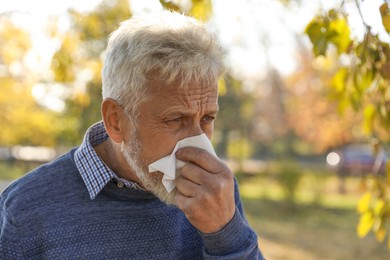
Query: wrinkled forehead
point(156, 86)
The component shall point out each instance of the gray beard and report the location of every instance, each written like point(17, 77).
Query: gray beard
point(150, 181)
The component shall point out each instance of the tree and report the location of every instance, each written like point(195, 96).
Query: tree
point(361, 84)
point(312, 114)
point(234, 121)
point(78, 63)
point(200, 9)
point(22, 120)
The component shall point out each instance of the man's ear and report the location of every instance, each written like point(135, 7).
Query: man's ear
point(114, 120)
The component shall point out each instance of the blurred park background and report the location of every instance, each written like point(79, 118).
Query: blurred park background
point(304, 118)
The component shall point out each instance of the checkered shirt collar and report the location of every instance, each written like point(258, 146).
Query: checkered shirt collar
point(95, 173)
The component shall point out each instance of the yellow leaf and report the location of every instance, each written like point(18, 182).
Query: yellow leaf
point(364, 203)
point(383, 9)
point(388, 171)
point(201, 9)
point(343, 105)
point(341, 37)
point(379, 206)
point(222, 87)
point(369, 114)
point(339, 80)
point(380, 234)
point(379, 229)
point(365, 224)
point(385, 13)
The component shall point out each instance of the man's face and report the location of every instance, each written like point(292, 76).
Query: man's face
point(168, 116)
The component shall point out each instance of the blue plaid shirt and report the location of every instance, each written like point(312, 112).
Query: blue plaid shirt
point(93, 170)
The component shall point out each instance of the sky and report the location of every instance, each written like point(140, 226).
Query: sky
point(258, 32)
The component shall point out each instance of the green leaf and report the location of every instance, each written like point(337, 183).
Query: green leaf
point(333, 13)
point(313, 30)
point(363, 79)
point(320, 46)
point(316, 30)
point(355, 98)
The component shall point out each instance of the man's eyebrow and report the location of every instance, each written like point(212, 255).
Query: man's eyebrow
point(212, 111)
point(175, 113)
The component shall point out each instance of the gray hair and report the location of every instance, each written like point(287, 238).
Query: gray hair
point(166, 46)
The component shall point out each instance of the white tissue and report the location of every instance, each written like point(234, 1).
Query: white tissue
point(170, 166)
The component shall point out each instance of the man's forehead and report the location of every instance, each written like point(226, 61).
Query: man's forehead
point(156, 85)
point(189, 102)
point(198, 92)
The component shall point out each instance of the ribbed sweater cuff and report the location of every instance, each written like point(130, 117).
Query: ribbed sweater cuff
point(232, 238)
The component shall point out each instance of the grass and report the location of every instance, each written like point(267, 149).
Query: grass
point(12, 170)
point(319, 223)
point(309, 232)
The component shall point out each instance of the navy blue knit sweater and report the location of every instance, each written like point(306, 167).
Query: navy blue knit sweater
point(48, 214)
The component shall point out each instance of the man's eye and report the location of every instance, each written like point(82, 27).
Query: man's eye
point(175, 120)
point(208, 118)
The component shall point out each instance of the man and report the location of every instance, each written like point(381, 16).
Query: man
point(99, 200)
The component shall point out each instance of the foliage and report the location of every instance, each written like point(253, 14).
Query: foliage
point(288, 175)
point(329, 29)
point(310, 114)
point(234, 119)
point(239, 147)
point(78, 63)
point(374, 211)
point(22, 120)
point(360, 83)
point(200, 9)
point(76, 66)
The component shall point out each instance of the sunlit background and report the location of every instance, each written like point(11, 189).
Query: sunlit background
point(305, 148)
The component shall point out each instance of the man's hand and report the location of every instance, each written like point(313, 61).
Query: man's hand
point(205, 190)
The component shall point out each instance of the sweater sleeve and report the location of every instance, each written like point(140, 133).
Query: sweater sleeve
point(235, 241)
point(9, 246)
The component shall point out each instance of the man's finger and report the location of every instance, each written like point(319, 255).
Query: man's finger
point(186, 187)
point(202, 158)
point(194, 173)
point(182, 202)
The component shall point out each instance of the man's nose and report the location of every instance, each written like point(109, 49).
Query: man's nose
point(195, 129)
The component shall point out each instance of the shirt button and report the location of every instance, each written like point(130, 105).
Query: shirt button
point(120, 184)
